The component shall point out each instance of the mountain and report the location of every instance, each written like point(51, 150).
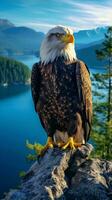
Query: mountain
point(88, 55)
point(18, 40)
point(24, 40)
point(87, 42)
point(90, 36)
point(84, 45)
point(4, 24)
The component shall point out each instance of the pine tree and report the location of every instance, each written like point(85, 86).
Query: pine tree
point(102, 129)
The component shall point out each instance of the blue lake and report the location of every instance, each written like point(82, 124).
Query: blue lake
point(18, 122)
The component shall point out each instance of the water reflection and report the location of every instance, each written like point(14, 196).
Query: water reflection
point(12, 90)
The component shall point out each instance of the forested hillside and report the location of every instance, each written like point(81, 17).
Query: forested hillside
point(13, 72)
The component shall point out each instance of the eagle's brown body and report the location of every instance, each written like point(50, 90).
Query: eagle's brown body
point(62, 97)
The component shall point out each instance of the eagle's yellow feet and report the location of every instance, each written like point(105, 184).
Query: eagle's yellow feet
point(49, 144)
point(71, 144)
point(60, 144)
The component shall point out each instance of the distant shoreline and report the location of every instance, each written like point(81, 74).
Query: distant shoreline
point(15, 84)
point(36, 54)
point(13, 90)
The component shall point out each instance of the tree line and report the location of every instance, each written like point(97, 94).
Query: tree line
point(102, 102)
point(12, 71)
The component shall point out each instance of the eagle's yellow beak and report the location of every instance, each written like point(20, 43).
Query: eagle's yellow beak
point(68, 38)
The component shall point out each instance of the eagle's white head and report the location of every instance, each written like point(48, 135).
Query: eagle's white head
point(59, 41)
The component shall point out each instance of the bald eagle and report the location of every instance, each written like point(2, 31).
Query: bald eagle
point(61, 90)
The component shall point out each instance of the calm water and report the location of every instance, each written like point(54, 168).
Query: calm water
point(18, 122)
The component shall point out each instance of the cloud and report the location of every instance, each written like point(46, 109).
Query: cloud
point(40, 26)
point(43, 15)
point(90, 15)
point(53, 10)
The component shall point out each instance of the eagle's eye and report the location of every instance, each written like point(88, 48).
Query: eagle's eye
point(57, 35)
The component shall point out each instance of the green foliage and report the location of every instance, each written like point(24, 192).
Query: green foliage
point(102, 106)
point(106, 50)
point(12, 71)
point(31, 157)
point(22, 174)
point(102, 138)
point(37, 149)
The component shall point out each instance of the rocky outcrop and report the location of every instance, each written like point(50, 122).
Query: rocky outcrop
point(68, 175)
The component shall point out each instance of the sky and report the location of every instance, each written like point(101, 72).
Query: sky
point(42, 15)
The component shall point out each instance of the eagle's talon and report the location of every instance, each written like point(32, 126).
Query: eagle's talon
point(60, 144)
point(70, 144)
point(50, 146)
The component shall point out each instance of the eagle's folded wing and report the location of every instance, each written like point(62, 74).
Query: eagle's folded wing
point(85, 95)
point(35, 83)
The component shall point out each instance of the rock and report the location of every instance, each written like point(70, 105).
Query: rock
point(67, 175)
